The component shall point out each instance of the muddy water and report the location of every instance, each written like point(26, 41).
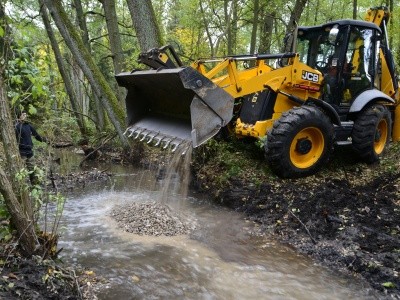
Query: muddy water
point(219, 260)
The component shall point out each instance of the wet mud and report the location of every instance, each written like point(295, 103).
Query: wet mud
point(346, 217)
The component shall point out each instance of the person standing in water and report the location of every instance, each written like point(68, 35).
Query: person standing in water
point(24, 132)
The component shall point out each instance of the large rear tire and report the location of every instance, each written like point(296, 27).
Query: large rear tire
point(300, 142)
point(371, 132)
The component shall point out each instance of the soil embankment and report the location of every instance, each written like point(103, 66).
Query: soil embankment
point(346, 217)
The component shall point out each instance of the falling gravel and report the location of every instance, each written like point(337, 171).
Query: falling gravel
point(151, 218)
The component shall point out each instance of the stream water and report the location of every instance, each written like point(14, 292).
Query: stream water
point(219, 260)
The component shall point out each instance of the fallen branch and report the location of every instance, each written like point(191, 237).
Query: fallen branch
point(305, 227)
point(62, 145)
point(380, 234)
point(97, 148)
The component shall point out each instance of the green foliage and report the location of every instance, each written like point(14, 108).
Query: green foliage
point(22, 175)
point(132, 59)
point(36, 192)
point(234, 159)
point(61, 126)
point(389, 285)
point(40, 198)
point(5, 232)
point(186, 23)
point(26, 83)
point(260, 142)
point(52, 211)
point(389, 161)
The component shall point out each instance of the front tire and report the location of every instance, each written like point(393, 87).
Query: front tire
point(371, 132)
point(300, 142)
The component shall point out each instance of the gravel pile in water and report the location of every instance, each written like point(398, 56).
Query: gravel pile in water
point(150, 218)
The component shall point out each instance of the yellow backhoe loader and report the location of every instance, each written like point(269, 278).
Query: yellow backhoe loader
point(337, 86)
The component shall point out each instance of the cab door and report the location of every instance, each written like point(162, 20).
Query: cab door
point(359, 66)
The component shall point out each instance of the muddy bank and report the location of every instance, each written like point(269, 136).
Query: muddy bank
point(36, 278)
point(346, 217)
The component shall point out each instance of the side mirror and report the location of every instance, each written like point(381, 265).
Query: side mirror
point(333, 33)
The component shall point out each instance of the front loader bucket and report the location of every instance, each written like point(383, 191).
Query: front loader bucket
point(172, 106)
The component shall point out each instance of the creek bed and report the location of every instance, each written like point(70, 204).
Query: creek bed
point(221, 258)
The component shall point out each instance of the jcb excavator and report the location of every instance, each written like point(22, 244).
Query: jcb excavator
point(337, 86)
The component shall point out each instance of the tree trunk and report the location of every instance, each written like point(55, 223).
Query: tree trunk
point(316, 12)
point(52, 84)
point(19, 205)
point(266, 29)
point(294, 19)
point(255, 25)
point(83, 57)
point(23, 224)
point(145, 24)
point(62, 69)
point(354, 9)
point(81, 22)
point(7, 131)
point(15, 192)
point(115, 44)
point(234, 27)
point(79, 86)
point(80, 18)
point(228, 29)
point(208, 33)
point(391, 27)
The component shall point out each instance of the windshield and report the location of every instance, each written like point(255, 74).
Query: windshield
point(316, 50)
point(346, 56)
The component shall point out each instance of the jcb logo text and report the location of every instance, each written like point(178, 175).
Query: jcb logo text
point(310, 76)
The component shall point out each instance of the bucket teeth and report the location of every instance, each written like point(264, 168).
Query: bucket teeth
point(155, 138)
point(167, 144)
point(158, 141)
point(130, 133)
point(152, 136)
point(138, 134)
point(144, 135)
point(175, 146)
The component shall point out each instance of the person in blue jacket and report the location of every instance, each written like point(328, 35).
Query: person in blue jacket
point(24, 132)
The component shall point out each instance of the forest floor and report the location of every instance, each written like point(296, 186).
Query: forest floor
point(346, 217)
point(39, 279)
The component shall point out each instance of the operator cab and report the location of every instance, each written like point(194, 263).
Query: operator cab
point(346, 52)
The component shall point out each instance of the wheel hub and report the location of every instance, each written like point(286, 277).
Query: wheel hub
point(303, 146)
